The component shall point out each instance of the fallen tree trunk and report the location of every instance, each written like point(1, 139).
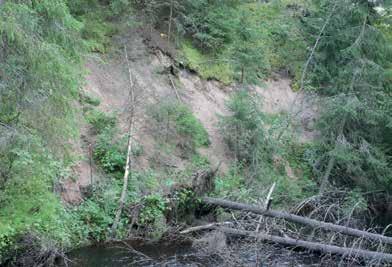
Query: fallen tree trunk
point(313, 246)
point(297, 219)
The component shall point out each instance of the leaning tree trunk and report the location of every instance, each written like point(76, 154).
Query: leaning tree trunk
point(170, 21)
point(128, 166)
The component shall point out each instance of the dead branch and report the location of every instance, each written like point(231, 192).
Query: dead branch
point(267, 204)
point(204, 227)
point(174, 88)
point(297, 219)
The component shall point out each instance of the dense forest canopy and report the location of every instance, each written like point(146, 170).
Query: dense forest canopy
point(339, 51)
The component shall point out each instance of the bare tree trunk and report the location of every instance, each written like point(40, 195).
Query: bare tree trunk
point(170, 21)
point(128, 166)
point(325, 179)
point(242, 74)
point(297, 219)
point(313, 246)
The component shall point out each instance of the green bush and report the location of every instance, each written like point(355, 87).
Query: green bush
point(89, 99)
point(153, 206)
point(178, 117)
point(94, 217)
point(27, 201)
point(232, 185)
point(100, 120)
point(111, 155)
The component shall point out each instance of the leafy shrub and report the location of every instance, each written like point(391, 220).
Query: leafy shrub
point(152, 216)
point(29, 205)
point(153, 206)
point(232, 185)
point(184, 203)
point(178, 116)
point(89, 99)
point(111, 155)
point(100, 120)
point(95, 215)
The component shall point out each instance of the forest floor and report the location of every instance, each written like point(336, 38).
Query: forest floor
point(107, 78)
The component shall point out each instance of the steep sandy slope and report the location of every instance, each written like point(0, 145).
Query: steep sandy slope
point(108, 79)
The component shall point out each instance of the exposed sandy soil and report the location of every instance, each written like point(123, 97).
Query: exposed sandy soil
point(108, 79)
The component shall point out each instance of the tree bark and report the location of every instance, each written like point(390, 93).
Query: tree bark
point(313, 246)
point(298, 219)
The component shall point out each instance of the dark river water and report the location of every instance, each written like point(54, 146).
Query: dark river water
point(136, 253)
point(133, 253)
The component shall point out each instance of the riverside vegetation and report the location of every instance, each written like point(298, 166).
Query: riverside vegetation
point(340, 51)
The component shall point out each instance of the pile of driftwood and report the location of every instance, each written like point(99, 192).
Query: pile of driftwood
point(285, 240)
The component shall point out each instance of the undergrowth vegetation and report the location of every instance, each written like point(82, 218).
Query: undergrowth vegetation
point(261, 157)
point(176, 122)
point(40, 48)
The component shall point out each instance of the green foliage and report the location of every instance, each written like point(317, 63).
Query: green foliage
point(94, 216)
point(354, 202)
point(243, 41)
point(89, 99)
point(40, 71)
point(27, 204)
point(96, 32)
point(232, 185)
point(233, 40)
point(100, 120)
point(349, 67)
point(40, 48)
point(238, 184)
point(204, 66)
point(120, 6)
point(261, 158)
point(177, 119)
point(153, 206)
point(97, 19)
point(109, 153)
point(183, 205)
point(243, 130)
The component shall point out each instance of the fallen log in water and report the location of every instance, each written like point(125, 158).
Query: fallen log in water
point(297, 219)
point(313, 246)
